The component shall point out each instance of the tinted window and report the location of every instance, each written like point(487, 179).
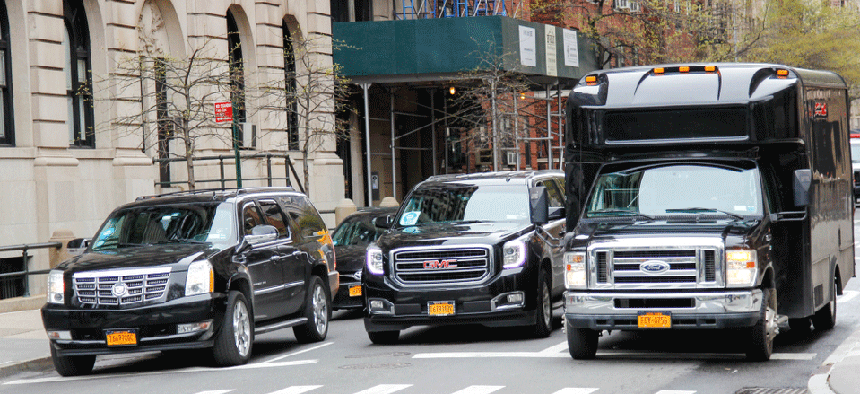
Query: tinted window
point(211, 223)
point(458, 203)
point(356, 232)
point(555, 196)
point(251, 217)
point(276, 217)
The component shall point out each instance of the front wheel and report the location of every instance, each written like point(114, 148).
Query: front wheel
point(317, 311)
point(582, 342)
point(543, 309)
point(72, 365)
point(762, 335)
point(234, 340)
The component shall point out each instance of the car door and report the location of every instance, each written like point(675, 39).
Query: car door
point(262, 261)
point(555, 227)
point(290, 256)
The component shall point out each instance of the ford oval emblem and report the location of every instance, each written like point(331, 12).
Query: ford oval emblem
point(654, 267)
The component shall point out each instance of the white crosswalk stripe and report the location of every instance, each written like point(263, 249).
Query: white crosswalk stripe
point(676, 392)
point(385, 389)
point(214, 392)
point(296, 390)
point(847, 295)
point(479, 389)
point(571, 390)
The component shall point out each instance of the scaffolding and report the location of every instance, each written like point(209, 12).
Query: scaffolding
point(427, 9)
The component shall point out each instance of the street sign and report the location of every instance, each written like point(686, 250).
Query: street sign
point(223, 112)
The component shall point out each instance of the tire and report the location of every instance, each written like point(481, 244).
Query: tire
point(72, 365)
point(800, 326)
point(761, 336)
point(235, 338)
point(318, 312)
point(825, 318)
point(582, 342)
point(543, 309)
point(383, 337)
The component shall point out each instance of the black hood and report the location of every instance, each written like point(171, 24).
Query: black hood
point(587, 232)
point(178, 256)
point(350, 258)
point(433, 234)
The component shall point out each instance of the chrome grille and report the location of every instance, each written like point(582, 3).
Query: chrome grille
point(626, 266)
point(690, 263)
point(121, 287)
point(441, 265)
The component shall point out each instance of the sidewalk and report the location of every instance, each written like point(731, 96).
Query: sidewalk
point(24, 347)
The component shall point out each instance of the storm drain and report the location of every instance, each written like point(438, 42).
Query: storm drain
point(761, 390)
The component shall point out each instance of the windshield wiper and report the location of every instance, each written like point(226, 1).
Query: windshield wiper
point(702, 210)
point(623, 212)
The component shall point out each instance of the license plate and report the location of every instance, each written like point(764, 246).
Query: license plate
point(355, 291)
point(121, 338)
point(655, 320)
point(440, 308)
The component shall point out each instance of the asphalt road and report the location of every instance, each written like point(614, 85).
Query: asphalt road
point(471, 360)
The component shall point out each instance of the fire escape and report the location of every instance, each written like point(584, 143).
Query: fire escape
point(426, 9)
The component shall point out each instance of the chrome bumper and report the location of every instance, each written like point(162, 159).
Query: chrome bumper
point(582, 303)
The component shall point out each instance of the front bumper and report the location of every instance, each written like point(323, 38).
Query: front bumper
point(155, 325)
point(619, 311)
point(342, 299)
point(485, 304)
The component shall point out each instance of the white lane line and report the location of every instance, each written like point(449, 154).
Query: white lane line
point(479, 390)
point(847, 295)
point(575, 390)
point(555, 349)
point(676, 392)
point(214, 392)
point(296, 390)
point(300, 352)
point(490, 355)
point(793, 356)
point(385, 389)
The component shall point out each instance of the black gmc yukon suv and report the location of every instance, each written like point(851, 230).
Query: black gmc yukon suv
point(477, 248)
point(199, 269)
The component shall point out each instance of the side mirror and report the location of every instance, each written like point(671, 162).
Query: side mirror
point(802, 181)
point(539, 205)
point(383, 221)
point(262, 233)
point(77, 246)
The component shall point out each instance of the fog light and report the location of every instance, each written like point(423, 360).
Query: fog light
point(193, 327)
point(508, 301)
point(515, 298)
point(67, 335)
point(380, 306)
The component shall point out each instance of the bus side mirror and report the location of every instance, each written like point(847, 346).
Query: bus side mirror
point(383, 221)
point(802, 180)
point(539, 205)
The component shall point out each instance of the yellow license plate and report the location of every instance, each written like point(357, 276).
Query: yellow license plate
point(655, 320)
point(121, 338)
point(355, 291)
point(440, 308)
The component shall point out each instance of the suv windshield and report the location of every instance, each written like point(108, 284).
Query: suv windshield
point(187, 223)
point(466, 203)
point(855, 150)
point(677, 190)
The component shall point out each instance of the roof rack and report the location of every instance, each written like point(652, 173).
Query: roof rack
point(213, 191)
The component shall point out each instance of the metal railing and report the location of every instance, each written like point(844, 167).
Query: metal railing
point(25, 273)
point(288, 168)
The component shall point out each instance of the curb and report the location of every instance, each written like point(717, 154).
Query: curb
point(42, 364)
point(848, 351)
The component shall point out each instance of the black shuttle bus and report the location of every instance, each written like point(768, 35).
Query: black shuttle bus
point(706, 196)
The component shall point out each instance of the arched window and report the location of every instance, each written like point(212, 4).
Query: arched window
point(290, 85)
point(7, 134)
point(78, 77)
point(237, 72)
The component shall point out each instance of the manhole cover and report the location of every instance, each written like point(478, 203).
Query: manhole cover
point(395, 354)
point(376, 366)
point(760, 390)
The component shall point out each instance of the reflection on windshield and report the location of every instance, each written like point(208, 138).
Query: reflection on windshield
point(356, 233)
point(677, 190)
point(855, 153)
point(199, 223)
point(466, 203)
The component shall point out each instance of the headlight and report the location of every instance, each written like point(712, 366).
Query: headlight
point(200, 278)
point(574, 270)
point(374, 261)
point(741, 267)
point(56, 287)
point(514, 254)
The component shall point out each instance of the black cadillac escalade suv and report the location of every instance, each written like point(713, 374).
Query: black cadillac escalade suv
point(477, 248)
point(199, 269)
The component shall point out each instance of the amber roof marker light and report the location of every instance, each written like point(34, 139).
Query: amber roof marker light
point(684, 69)
point(659, 70)
point(591, 79)
point(781, 73)
point(710, 69)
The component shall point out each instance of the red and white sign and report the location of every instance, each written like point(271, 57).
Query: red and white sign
point(223, 112)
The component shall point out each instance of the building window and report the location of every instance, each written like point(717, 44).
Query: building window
point(237, 74)
point(7, 135)
point(290, 89)
point(351, 11)
point(78, 76)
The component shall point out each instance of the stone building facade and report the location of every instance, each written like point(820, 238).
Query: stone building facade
point(65, 159)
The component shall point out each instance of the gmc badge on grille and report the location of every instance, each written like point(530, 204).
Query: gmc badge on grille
point(432, 264)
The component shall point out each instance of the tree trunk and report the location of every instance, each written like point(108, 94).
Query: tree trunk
point(189, 162)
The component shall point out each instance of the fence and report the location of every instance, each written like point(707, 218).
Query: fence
point(288, 168)
point(8, 287)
